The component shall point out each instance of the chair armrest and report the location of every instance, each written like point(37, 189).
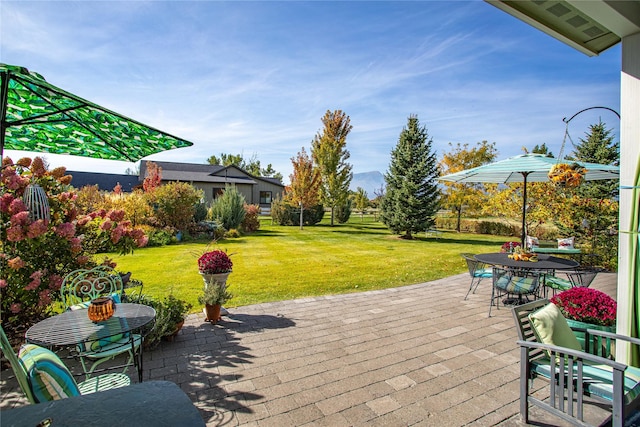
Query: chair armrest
point(575, 353)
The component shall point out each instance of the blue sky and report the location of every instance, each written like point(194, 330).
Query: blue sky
point(249, 78)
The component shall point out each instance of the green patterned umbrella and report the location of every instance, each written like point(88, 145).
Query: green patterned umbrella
point(38, 116)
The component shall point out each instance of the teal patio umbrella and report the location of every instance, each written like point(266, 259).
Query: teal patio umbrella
point(527, 168)
point(38, 116)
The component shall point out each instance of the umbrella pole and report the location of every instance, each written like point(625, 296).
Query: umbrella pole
point(3, 111)
point(524, 210)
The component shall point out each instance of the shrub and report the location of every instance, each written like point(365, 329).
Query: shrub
point(36, 254)
point(343, 212)
point(283, 213)
point(233, 234)
point(228, 209)
point(251, 220)
point(175, 204)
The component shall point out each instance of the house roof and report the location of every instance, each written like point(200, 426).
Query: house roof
point(588, 26)
point(104, 181)
point(194, 172)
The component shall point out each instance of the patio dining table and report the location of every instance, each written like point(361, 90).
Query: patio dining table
point(73, 327)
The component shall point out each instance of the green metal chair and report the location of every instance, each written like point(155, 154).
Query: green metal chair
point(580, 277)
point(78, 289)
point(44, 377)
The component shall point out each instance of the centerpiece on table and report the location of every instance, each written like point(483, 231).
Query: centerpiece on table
point(215, 266)
point(520, 254)
point(588, 309)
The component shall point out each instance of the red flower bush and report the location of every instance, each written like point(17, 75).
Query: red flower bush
point(587, 305)
point(214, 262)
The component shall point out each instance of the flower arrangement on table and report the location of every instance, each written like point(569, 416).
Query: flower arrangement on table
point(587, 305)
point(567, 175)
point(509, 247)
point(214, 262)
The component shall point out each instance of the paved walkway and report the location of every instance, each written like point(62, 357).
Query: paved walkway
point(414, 355)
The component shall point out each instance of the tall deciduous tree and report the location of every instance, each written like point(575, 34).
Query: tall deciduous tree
point(329, 153)
point(361, 200)
point(465, 196)
point(412, 197)
point(304, 190)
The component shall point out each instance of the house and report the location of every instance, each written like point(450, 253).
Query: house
point(213, 179)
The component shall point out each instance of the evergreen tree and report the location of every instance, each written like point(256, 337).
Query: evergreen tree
point(329, 153)
point(411, 200)
point(598, 147)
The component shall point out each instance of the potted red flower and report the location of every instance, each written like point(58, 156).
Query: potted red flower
point(214, 262)
point(587, 308)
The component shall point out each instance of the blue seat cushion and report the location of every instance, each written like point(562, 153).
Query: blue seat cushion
point(49, 379)
point(485, 273)
point(597, 379)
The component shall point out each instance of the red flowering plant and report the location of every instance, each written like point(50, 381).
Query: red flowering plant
point(587, 305)
point(509, 246)
point(214, 262)
point(36, 253)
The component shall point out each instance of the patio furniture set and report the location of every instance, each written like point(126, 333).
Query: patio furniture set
point(117, 332)
point(549, 348)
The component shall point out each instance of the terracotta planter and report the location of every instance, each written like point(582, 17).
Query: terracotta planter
point(212, 313)
point(173, 334)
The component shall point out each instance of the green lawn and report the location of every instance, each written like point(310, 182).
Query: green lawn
point(278, 263)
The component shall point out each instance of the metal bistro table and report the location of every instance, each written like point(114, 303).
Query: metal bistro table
point(74, 327)
point(153, 403)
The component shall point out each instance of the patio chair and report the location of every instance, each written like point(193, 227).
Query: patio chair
point(131, 288)
point(581, 276)
point(78, 289)
point(546, 340)
point(477, 270)
point(43, 377)
point(515, 286)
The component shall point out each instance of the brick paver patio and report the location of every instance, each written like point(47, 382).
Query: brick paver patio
point(414, 355)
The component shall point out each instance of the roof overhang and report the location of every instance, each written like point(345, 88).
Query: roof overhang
point(588, 26)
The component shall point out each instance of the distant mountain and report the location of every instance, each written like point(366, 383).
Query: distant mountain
point(370, 181)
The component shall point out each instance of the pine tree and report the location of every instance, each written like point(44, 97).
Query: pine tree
point(412, 196)
point(598, 147)
point(329, 153)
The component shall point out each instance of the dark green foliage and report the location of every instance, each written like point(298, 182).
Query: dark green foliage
point(159, 237)
point(200, 213)
point(228, 209)
point(598, 147)
point(343, 212)
point(412, 196)
point(283, 213)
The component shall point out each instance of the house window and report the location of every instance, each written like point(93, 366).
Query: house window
point(265, 197)
point(217, 192)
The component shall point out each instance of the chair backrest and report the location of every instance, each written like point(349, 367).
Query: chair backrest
point(523, 324)
point(472, 263)
point(583, 276)
point(85, 285)
point(516, 281)
point(131, 288)
point(16, 365)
